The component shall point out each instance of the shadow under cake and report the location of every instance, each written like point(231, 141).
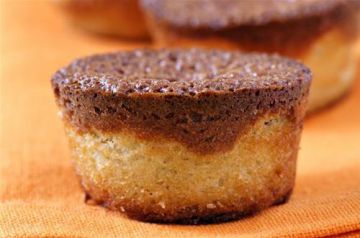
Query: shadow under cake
point(110, 17)
point(186, 136)
point(320, 33)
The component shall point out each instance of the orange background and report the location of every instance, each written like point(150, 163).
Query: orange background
point(40, 194)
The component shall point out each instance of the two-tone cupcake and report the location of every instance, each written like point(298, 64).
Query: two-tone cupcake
point(184, 135)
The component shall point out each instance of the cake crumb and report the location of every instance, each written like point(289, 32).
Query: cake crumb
point(162, 204)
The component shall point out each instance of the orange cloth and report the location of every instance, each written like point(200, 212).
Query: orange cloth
point(40, 194)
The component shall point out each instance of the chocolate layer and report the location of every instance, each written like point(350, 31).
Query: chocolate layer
point(202, 99)
point(214, 14)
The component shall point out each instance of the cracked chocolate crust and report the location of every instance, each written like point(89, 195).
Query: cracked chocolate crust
point(202, 99)
point(225, 14)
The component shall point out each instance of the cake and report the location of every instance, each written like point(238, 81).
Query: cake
point(110, 17)
point(184, 136)
point(320, 33)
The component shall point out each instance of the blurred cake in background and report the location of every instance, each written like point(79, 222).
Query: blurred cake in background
point(111, 17)
point(320, 33)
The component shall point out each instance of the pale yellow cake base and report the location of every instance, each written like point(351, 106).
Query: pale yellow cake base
point(161, 180)
point(331, 57)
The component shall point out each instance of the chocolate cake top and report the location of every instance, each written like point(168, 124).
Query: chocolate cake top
point(202, 99)
point(217, 14)
point(179, 72)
